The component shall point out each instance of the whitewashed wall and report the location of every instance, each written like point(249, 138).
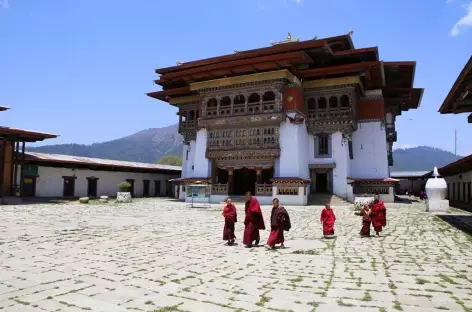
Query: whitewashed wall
point(188, 161)
point(202, 168)
point(369, 151)
point(51, 184)
point(294, 150)
point(466, 177)
point(341, 158)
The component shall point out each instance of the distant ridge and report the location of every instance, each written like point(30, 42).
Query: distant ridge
point(152, 144)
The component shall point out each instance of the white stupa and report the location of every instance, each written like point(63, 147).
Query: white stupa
point(436, 191)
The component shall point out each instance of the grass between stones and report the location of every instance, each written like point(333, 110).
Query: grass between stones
point(263, 300)
point(397, 306)
point(344, 304)
point(367, 297)
point(168, 309)
point(421, 281)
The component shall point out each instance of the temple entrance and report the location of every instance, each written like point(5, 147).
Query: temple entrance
point(244, 180)
point(321, 182)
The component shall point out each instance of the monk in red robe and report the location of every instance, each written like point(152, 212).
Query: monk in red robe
point(254, 221)
point(365, 213)
point(327, 219)
point(279, 221)
point(230, 215)
point(378, 215)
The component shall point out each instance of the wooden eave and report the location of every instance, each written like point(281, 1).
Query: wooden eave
point(332, 70)
point(21, 135)
point(452, 102)
point(283, 48)
point(460, 166)
point(298, 57)
point(4, 108)
point(405, 98)
point(164, 95)
point(400, 74)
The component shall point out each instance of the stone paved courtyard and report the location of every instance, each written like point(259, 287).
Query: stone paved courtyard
point(158, 255)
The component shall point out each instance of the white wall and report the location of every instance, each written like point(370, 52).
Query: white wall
point(202, 168)
point(466, 177)
point(50, 182)
point(340, 154)
point(187, 164)
point(294, 150)
point(369, 151)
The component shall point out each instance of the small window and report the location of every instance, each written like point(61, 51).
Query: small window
point(322, 103)
point(351, 154)
point(345, 101)
point(186, 156)
point(323, 148)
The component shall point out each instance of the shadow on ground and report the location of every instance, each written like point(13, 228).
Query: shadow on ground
point(462, 222)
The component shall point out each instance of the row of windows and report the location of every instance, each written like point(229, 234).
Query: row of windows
point(268, 96)
point(332, 102)
point(92, 187)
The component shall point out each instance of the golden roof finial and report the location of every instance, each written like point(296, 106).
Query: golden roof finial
point(289, 36)
point(288, 40)
point(350, 32)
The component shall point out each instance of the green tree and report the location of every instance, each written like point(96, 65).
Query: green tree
point(171, 160)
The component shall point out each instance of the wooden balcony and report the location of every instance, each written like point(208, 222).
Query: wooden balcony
point(242, 109)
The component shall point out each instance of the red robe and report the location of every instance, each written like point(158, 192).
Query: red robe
point(365, 231)
point(229, 212)
point(254, 221)
point(328, 218)
point(277, 218)
point(378, 215)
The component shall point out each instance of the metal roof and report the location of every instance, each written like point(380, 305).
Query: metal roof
point(56, 158)
point(408, 174)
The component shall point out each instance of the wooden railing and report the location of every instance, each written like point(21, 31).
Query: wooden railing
point(242, 109)
point(330, 114)
point(190, 124)
point(219, 189)
point(263, 189)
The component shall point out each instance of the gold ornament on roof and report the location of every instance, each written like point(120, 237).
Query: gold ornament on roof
point(288, 40)
point(179, 62)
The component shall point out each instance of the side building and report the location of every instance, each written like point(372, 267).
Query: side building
point(50, 175)
point(12, 153)
point(290, 120)
point(458, 174)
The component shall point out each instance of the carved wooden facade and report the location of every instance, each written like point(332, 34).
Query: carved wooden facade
point(189, 113)
point(331, 109)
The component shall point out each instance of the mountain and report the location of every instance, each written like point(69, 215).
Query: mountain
point(152, 144)
point(146, 146)
point(421, 158)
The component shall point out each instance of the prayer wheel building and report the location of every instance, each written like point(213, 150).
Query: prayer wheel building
point(289, 120)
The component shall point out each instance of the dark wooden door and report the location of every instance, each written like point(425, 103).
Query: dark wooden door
point(29, 186)
point(321, 182)
point(146, 188)
point(92, 185)
point(69, 187)
point(157, 188)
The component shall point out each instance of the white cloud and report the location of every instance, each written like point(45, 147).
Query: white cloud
point(299, 1)
point(404, 146)
point(464, 22)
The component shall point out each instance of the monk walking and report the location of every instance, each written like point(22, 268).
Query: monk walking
point(254, 221)
point(327, 219)
point(378, 215)
point(279, 221)
point(365, 214)
point(230, 215)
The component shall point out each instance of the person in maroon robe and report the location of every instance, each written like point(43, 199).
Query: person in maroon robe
point(279, 221)
point(365, 213)
point(254, 221)
point(327, 219)
point(421, 195)
point(378, 214)
point(230, 215)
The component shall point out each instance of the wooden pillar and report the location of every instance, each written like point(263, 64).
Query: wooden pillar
point(13, 169)
point(22, 163)
point(230, 181)
point(2, 166)
point(258, 175)
point(214, 179)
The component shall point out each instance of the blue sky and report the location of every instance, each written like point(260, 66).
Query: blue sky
point(81, 68)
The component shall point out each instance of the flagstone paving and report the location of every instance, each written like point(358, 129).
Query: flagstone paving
point(158, 255)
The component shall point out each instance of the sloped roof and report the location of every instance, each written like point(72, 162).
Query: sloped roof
point(68, 159)
point(408, 174)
